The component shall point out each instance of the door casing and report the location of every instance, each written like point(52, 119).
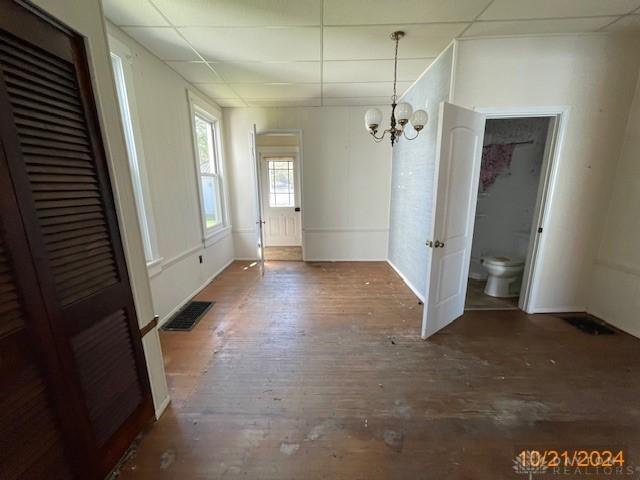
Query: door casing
point(257, 178)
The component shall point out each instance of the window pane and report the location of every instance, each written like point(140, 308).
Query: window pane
point(211, 204)
point(204, 137)
point(281, 183)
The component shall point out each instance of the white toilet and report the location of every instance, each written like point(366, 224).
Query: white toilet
point(505, 276)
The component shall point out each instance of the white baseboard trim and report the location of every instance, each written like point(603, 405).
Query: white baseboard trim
point(559, 309)
point(407, 282)
point(477, 276)
point(162, 407)
point(333, 260)
point(193, 294)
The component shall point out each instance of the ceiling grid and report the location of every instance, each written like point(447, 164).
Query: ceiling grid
point(267, 53)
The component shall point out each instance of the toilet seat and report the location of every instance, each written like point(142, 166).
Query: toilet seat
point(502, 261)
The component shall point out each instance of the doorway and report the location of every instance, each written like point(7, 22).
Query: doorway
point(459, 153)
point(279, 189)
point(513, 156)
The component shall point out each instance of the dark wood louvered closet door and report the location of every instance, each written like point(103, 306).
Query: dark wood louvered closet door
point(55, 155)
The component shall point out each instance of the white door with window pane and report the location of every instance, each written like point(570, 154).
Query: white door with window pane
point(280, 200)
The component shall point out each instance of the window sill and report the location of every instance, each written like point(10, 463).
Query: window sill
point(216, 236)
point(154, 267)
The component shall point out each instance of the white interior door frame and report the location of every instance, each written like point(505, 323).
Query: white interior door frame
point(559, 117)
point(300, 174)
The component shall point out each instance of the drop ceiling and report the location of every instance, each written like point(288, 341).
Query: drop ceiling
point(334, 52)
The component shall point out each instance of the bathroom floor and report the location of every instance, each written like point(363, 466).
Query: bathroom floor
point(478, 300)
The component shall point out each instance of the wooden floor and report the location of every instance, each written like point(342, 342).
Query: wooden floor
point(283, 253)
point(317, 371)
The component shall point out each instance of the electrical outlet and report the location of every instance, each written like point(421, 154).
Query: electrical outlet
point(200, 258)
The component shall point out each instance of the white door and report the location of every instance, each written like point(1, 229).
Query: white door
point(280, 205)
point(258, 204)
point(458, 156)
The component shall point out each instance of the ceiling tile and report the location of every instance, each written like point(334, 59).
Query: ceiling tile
point(196, 72)
point(523, 27)
point(269, 72)
point(234, 13)
point(514, 9)
point(133, 12)
point(360, 12)
point(358, 101)
point(373, 70)
point(273, 91)
point(285, 102)
point(364, 43)
point(630, 23)
point(217, 90)
point(380, 89)
point(230, 102)
point(164, 43)
point(250, 44)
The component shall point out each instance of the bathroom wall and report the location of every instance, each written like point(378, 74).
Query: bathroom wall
point(413, 166)
point(507, 191)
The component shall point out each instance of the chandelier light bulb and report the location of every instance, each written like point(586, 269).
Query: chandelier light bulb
point(403, 113)
point(372, 119)
point(419, 119)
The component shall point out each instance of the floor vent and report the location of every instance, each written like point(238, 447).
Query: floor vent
point(188, 317)
point(588, 324)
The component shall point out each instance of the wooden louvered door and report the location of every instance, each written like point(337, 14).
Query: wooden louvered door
point(53, 147)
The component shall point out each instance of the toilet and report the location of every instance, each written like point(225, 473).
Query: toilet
point(505, 276)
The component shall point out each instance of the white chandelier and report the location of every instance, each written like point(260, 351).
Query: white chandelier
point(401, 112)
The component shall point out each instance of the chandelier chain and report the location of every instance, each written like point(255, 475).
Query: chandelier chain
point(395, 69)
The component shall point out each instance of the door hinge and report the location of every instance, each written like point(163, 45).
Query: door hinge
point(539, 229)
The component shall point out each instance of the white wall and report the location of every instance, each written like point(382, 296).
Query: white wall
point(504, 213)
point(411, 205)
point(86, 17)
point(595, 76)
point(345, 181)
point(615, 289)
point(165, 123)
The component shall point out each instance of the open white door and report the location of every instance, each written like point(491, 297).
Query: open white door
point(258, 198)
point(458, 156)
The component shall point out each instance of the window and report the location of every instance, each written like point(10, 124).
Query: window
point(206, 134)
point(122, 73)
point(281, 182)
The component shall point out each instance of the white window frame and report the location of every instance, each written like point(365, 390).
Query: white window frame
point(122, 61)
point(202, 108)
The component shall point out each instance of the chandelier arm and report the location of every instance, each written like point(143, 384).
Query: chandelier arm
point(378, 139)
point(404, 134)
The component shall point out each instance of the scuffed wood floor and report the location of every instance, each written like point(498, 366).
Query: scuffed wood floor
point(317, 371)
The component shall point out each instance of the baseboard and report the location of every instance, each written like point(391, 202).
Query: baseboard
point(194, 293)
point(407, 282)
point(476, 276)
point(242, 259)
point(163, 406)
point(559, 309)
point(333, 260)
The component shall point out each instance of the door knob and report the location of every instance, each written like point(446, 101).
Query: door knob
point(429, 243)
point(438, 244)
